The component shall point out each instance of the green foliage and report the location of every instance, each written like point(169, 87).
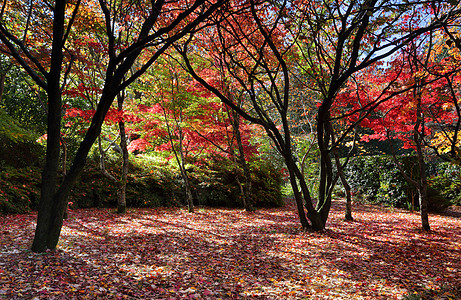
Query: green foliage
point(151, 187)
point(151, 183)
point(19, 146)
point(19, 98)
point(93, 189)
point(266, 184)
point(19, 189)
point(363, 177)
point(394, 190)
point(376, 179)
point(447, 180)
point(215, 184)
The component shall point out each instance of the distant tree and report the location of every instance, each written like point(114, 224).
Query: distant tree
point(334, 41)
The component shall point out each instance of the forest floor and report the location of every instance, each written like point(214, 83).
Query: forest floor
point(167, 253)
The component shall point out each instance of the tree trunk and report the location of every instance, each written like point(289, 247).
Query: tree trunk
point(49, 173)
point(246, 169)
point(347, 191)
point(180, 159)
point(326, 170)
point(46, 213)
point(121, 204)
point(348, 212)
point(422, 186)
point(182, 166)
point(64, 168)
point(60, 197)
point(346, 186)
point(316, 222)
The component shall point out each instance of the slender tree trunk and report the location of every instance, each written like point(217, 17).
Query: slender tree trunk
point(182, 167)
point(422, 186)
point(246, 169)
point(180, 159)
point(121, 204)
point(298, 198)
point(347, 188)
point(64, 168)
point(345, 184)
point(190, 199)
point(102, 162)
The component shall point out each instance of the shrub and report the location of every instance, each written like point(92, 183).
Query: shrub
point(447, 181)
point(363, 177)
point(266, 184)
point(19, 189)
point(19, 146)
point(215, 184)
point(149, 185)
point(376, 179)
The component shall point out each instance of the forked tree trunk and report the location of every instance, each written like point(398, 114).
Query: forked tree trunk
point(303, 198)
point(180, 158)
point(347, 189)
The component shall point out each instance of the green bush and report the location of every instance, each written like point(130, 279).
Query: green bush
point(447, 181)
point(19, 146)
point(266, 184)
point(215, 184)
point(363, 177)
point(376, 179)
point(394, 189)
point(19, 189)
point(149, 185)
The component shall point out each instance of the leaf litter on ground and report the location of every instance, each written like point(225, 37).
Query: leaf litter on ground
point(216, 253)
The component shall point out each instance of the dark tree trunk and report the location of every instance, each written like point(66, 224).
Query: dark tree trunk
point(303, 195)
point(62, 194)
point(326, 181)
point(46, 214)
point(49, 174)
point(422, 186)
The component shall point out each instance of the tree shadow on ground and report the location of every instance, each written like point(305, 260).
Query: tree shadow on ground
point(225, 253)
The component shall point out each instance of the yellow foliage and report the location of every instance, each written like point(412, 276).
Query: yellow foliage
point(442, 141)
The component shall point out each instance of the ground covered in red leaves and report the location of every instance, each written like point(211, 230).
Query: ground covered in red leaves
point(231, 254)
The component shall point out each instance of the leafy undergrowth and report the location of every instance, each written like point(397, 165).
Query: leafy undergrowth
point(231, 254)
